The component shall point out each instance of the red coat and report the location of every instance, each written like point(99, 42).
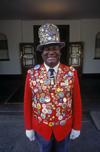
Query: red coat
point(57, 109)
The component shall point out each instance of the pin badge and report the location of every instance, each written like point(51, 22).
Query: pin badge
point(70, 81)
point(37, 80)
point(38, 106)
point(58, 89)
point(64, 84)
point(39, 112)
point(60, 100)
point(45, 121)
point(43, 115)
point(50, 124)
point(44, 87)
point(42, 100)
point(46, 82)
point(62, 122)
point(42, 94)
point(47, 98)
point(39, 118)
point(35, 90)
point(61, 94)
point(64, 115)
point(35, 100)
point(72, 69)
point(64, 99)
point(36, 74)
point(31, 72)
point(61, 89)
point(67, 95)
point(58, 114)
point(37, 67)
point(41, 81)
point(66, 68)
point(38, 84)
point(64, 105)
point(45, 111)
point(57, 123)
point(44, 105)
point(49, 106)
point(49, 111)
point(70, 73)
point(58, 109)
point(52, 81)
point(60, 117)
point(66, 75)
point(65, 90)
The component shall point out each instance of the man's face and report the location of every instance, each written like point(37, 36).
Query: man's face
point(51, 55)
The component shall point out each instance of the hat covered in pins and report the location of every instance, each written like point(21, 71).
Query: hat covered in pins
point(49, 34)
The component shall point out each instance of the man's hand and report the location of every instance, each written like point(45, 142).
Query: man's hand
point(74, 134)
point(30, 134)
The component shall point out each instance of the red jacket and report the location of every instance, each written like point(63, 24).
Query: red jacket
point(57, 109)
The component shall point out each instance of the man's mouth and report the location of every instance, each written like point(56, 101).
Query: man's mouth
point(50, 58)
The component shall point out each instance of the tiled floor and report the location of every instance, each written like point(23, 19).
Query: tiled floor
point(90, 93)
point(12, 120)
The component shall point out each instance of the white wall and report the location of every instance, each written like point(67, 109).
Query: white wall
point(22, 31)
point(90, 28)
point(12, 29)
point(74, 33)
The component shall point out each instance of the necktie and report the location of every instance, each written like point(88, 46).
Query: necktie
point(51, 77)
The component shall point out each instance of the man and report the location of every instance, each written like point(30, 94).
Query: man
point(52, 102)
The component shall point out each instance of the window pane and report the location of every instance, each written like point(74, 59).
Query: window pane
point(74, 61)
point(97, 46)
point(3, 54)
point(97, 54)
point(75, 49)
point(28, 62)
point(97, 43)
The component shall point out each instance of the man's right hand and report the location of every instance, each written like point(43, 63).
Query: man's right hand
point(30, 134)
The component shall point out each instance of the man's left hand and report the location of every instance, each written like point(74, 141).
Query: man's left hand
point(74, 134)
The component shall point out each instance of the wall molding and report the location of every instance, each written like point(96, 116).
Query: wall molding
point(16, 76)
point(19, 76)
point(91, 75)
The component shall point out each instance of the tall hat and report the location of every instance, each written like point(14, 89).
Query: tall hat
point(49, 34)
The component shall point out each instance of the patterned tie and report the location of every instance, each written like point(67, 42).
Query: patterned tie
point(52, 80)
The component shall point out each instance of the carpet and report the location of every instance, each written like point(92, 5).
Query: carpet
point(96, 118)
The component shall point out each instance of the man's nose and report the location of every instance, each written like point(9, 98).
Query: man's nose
point(51, 51)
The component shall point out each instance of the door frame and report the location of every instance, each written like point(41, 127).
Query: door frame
point(21, 57)
point(79, 69)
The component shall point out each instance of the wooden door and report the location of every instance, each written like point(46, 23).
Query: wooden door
point(64, 37)
point(28, 57)
point(37, 42)
point(76, 56)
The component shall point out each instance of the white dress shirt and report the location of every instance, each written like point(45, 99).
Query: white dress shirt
point(55, 69)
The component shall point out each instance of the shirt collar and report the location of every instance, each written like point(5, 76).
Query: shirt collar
point(55, 68)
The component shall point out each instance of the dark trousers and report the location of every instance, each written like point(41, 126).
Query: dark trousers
point(53, 145)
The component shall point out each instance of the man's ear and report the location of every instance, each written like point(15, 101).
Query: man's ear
point(60, 53)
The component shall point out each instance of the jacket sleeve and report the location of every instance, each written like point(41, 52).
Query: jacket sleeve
point(77, 107)
point(28, 104)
